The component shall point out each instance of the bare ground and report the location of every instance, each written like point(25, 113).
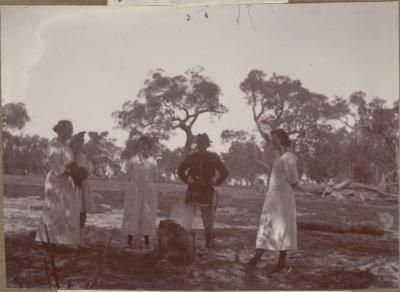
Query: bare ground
point(341, 245)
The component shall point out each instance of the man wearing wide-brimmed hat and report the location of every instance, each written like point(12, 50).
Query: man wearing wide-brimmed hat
point(198, 171)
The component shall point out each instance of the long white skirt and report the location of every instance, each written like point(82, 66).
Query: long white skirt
point(60, 212)
point(87, 201)
point(278, 227)
point(140, 209)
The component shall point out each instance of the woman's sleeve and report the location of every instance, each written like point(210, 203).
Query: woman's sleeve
point(57, 161)
point(129, 169)
point(156, 171)
point(291, 173)
point(86, 163)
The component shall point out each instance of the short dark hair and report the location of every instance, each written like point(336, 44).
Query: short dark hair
point(80, 137)
point(282, 136)
point(145, 139)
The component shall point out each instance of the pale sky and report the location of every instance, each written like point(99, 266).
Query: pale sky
point(83, 63)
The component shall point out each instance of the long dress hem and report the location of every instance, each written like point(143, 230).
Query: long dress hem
point(278, 226)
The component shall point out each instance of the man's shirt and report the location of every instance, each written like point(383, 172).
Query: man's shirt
point(202, 165)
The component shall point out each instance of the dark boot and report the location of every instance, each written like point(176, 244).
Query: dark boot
point(129, 242)
point(251, 264)
point(281, 263)
point(146, 241)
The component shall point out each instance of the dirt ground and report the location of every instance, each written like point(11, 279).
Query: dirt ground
point(341, 245)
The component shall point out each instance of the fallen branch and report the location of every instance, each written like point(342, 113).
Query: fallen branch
point(100, 266)
point(355, 185)
point(334, 189)
point(52, 263)
point(46, 268)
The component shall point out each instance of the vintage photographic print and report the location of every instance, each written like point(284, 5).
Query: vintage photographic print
point(211, 147)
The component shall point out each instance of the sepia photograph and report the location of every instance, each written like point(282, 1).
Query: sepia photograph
point(205, 147)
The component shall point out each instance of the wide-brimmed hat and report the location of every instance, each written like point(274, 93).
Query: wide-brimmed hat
point(61, 124)
point(202, 139)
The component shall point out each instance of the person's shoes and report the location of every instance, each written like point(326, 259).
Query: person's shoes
point(250, 265)
point(278, 269)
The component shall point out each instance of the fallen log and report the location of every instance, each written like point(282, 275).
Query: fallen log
point(355, 185)
point(339, 189)
point(341, 185)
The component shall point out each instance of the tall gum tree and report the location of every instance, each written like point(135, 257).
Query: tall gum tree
point(169, 103)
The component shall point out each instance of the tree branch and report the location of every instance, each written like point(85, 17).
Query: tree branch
point(346, 123)
point(251, 18)
point(281, 108)
point(181, 107)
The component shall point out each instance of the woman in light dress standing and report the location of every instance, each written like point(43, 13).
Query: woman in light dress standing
point(278, 230)
point(86, 198)
point(140, 205)
point(61, 203)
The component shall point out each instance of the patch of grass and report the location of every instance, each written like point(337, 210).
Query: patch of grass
point(21, 190)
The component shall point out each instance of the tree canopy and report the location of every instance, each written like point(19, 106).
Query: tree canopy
point(14, 116)
point(167, 103)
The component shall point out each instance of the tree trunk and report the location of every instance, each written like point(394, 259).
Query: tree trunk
point(189, 141)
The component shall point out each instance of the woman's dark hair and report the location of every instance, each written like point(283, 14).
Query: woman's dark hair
point(80, 137)
point(282, 136)
point(61, 124)
point(145, 139)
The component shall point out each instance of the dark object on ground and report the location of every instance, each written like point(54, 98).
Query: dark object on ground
point(173, 236)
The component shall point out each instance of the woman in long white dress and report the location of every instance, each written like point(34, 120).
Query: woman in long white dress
point(61, 203)
point(140, 205)
point(86, 197)
point(278, 230)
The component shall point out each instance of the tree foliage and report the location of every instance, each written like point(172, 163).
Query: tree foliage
point(169, 162)
point(25, 154)
point(167, 103)
point(22, 154)
point(280, 102)
point(238, 159)
point(364, 148)
point(103, 154)
point(14, 116)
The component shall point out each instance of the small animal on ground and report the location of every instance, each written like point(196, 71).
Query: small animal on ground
point(173, 237)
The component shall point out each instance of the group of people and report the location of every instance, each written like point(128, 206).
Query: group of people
point(67, 192)
point(68, 197)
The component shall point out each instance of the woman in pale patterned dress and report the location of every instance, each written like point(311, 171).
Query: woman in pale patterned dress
point(140, 205)
point(278, 230)
point(86, 198)
point(61, 203)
